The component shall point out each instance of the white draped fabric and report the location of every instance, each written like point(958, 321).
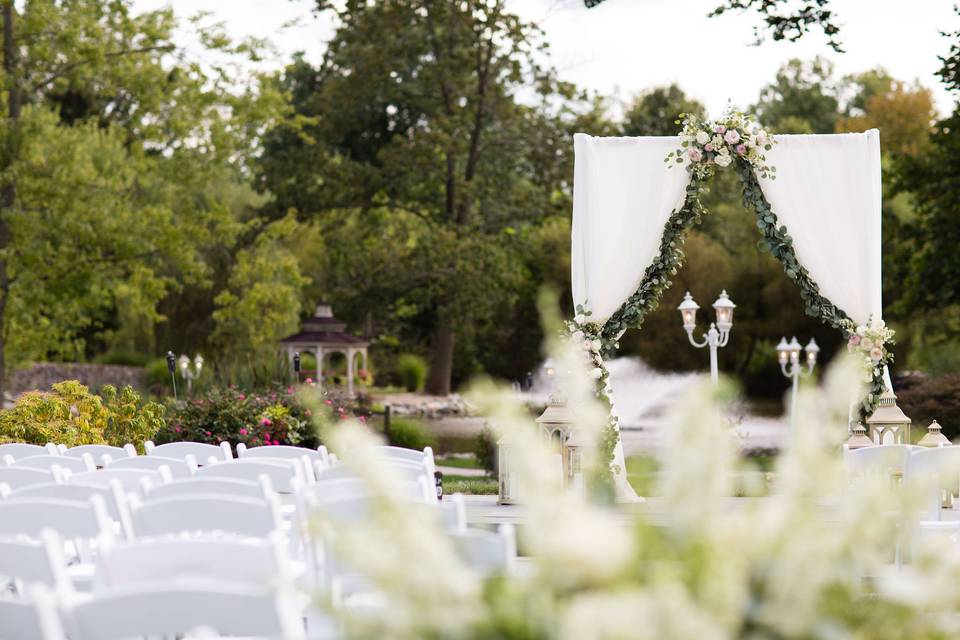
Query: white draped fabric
point(827, 194)
point(623, 194)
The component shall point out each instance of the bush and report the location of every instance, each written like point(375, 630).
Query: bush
point(412, 370)
point(226, 414)
point(124, 358)
point(410, 435)
point(933, 399)
point(69, 414)
point(158, 377)
point(485, 448)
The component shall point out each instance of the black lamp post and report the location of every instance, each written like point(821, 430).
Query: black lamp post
point(296, 365)
point(172, 368)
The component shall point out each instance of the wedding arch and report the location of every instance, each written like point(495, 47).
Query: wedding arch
point(816, 199)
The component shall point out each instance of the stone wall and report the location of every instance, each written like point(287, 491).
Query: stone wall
point(42, 375)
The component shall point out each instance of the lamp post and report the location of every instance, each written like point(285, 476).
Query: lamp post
point(788, 353)
point(719, 333)
point(190, 374)
point(172, 368)
point(296, 365)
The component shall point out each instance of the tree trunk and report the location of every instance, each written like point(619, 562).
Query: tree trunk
point(441, 360)
point(8, 194)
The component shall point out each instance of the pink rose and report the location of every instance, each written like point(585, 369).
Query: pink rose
point(741, 149)
point(177, 429)
point(876, 354)
point(276, 442)
point(242, 397)
point(719, 128)
point(243, 432)
point(732, 136)
point(265, 422)
point(309, 380)
point(854, 340)
point(695, 154)
point(708, 147)
point(208, 433)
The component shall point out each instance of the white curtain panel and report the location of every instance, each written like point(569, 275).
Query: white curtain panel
point(623, 194)
point(827, 194)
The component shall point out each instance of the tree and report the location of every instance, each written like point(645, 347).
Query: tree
point(654, 112)
point(109, 142)
point(425, 134)
point(802, 99)
point(903, 113)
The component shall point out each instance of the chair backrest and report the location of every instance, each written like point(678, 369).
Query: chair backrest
point(30, 561)
point(30, 618)
point(283, 474)
point(174, 609)
point(129, 479)
point(399, 469)
point(252, 561)
point(200, 451)
point(100, 450)
point(209, 486)
point(74, 465)
point(402, 453)
point(206, 514)
point(344, 487)
point(934, 470)
point(281, 451)
point(30, 516)
point(18, 450)
point(486, 552)
point(111, 496)
point(19, 477)
point(880, 461)
point(178, 468)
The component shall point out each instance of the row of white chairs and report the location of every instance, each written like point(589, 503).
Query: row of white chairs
point(164, 531)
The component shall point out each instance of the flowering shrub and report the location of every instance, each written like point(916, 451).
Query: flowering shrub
point(704, 144)
point(227, 414)
point(69, 414)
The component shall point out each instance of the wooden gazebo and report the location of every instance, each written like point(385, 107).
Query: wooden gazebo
point(323, 335)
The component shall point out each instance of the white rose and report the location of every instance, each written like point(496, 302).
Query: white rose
point(596, 373)
point(732, 136)
point(596, 344)
point(866, 344)
point(717, 142)
point(578, 336)
point(762, 139)
point(722, 159)
point(703, 137)
point(586, 345)
point(579, 319)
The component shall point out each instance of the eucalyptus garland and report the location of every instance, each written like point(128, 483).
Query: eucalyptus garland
point(733, 139)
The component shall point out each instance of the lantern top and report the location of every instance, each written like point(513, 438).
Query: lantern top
point(688, 303)
point(724, 301)
point(887, 411)
point(933, 437)
point(556, 412)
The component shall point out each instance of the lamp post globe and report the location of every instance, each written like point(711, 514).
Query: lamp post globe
point(688, 312)
point(724, 309)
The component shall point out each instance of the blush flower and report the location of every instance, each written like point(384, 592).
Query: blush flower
point(695, 154)
point(732, 136)
point(876, 354)
point(741, 149)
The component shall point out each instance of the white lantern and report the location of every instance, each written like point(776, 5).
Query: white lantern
point(783, 351)
point(688, 312)
point(888, 420)
point(812, 350)
point(795, 349)
point(507, 473)
point(724, 307)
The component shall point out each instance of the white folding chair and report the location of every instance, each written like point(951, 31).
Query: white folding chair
point(210, 486)
point(28, 561)
point(201, 451)
point(249, 560)
point(18, 477)
point(935, 471)
point(97, 451)
point(283, 474)
point(207, 514)
point(178, 608)
point(179, 468)
point(74, 465)
point(17, 450)
point(888, 461)
point(282, 451)
point(402, 453)
point(487, 552)
point(129, 479)
point(401, 471)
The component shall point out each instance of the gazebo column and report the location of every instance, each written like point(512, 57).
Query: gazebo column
point(350, 354)
point(319, 356)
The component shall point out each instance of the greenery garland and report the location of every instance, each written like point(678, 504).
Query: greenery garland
point(600, 339)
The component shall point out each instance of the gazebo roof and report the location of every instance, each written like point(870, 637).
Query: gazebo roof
point(323, 329)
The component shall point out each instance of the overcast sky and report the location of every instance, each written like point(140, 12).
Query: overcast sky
point(625, 46)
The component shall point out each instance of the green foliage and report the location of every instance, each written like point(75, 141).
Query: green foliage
point(410, 434)
point(802, 99)
point(485, 449)
point(158, 377)
point(226, 414)
point(653, 112)
point(929, 399)
point(124, 358)
point(69, 414)
point(412, 370)
point(469, 485)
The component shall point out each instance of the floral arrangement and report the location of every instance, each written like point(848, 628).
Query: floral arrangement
point(704, 144)
point(870, 341)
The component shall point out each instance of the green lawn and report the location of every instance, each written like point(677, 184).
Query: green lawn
point(470, 485)
point(458, 462)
